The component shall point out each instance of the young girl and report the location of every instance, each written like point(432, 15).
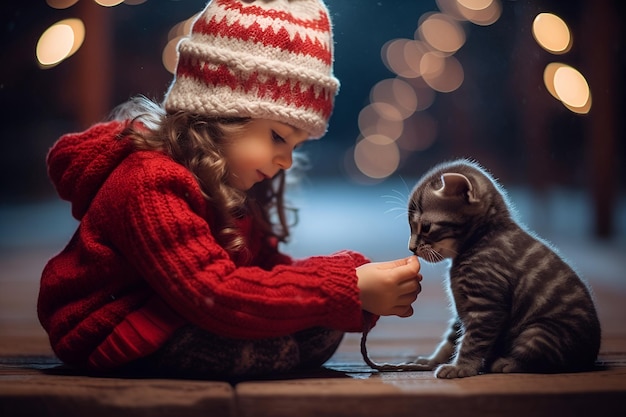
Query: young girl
point(175, 263)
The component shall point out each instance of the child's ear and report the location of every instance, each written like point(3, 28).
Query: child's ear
point(457, 185)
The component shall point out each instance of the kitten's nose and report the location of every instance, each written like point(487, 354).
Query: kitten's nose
point(413, 245)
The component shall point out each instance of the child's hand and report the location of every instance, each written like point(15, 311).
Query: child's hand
point(389, 288)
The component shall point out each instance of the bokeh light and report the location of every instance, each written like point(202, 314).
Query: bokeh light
point(372, 122)
point(109, 3)
point(485, 16)
point(387, 111)
point(413, 53)
point(395, 123)
point(61, 4)
point(170, 54)
point(480, 12)
point(59, 42)
point(475, 4)
point(424, 93)
point(432, 65)
point(548, 77)
point(394, 56)
point(451, 8)
point(176, 33)
point(376, 159)
point(569, 86)
point(396, 93)
point(442, 32)
point(552, 33)
point(448, 76)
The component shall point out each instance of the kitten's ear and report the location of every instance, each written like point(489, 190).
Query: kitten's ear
point(455, 185)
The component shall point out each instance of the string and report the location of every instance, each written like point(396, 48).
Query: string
point(385, 367)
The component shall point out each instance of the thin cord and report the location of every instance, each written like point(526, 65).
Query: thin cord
point(385, 367)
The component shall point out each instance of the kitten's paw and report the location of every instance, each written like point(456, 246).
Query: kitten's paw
point(505, 365)
point(428, 363)
point(455, 371)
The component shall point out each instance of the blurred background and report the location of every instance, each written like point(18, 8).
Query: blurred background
point(531, 89)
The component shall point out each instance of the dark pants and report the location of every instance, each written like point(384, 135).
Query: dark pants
point(194, 352)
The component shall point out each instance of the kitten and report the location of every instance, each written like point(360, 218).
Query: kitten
point(518, 306)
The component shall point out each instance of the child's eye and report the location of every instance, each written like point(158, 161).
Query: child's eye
point(277, 138)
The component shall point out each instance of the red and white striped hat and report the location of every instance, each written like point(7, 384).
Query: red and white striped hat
point(270, 59)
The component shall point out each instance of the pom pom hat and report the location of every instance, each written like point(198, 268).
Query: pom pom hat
point(268, 59)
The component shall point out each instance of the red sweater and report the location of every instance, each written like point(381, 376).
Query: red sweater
point(144, 261)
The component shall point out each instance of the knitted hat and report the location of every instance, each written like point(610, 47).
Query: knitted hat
point(269, 59)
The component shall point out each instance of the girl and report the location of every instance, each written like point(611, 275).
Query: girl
point(175, 263)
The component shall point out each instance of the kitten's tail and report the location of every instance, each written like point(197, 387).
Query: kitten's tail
point(385, 367)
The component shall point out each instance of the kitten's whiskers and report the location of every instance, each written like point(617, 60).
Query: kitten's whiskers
point(399, 201)
point(429, 254)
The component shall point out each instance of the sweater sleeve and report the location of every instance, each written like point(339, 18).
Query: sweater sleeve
point(161, 228)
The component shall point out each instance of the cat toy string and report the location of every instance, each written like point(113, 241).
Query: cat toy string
point(385, 367)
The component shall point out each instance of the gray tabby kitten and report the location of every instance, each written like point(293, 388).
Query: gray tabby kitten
point(519, 306)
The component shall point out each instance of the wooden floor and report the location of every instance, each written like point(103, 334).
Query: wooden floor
point(34, 383)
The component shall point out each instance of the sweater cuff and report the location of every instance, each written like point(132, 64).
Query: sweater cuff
point(141, 333)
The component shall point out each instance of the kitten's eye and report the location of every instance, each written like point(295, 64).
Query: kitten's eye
point(277, 138)
point(425, 227)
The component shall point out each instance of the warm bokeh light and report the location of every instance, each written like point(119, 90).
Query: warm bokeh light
point(55, 44)
point(170, 54)
point(397, 93)
point(548, 77)
point(176, 33)
point(379, 139)
point(394, 56)
point(425, 95)
point(552, 33)
point(475, 4)
point(59, 42)
point(375, 159)
point(372, 122)
point(432, 65)
point(182, 28)
point(579, 110)
point(448, 77)
point(367, 119)
point(451, 8)
point(387, 111)
point(109, 3)
point(395, 123)
point(482, 17)
point(569, 86)
point(442, 32)
point(480, 12)
point(61, 4)
point(388, 128)
point(413, 53)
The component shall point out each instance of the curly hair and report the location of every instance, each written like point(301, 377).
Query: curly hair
point(198, 142)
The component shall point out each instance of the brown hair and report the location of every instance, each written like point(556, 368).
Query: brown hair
point(197, 142)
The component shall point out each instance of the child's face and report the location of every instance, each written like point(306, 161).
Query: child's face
point(260, 151)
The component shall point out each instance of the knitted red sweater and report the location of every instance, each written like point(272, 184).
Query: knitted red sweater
point(143, 262)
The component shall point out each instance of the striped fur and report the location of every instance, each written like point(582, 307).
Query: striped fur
point(519, 307)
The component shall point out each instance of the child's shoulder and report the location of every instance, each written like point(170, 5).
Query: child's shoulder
point(157, 163)
point(143, 170)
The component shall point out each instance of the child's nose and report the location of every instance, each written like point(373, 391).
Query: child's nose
point(284, 160)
